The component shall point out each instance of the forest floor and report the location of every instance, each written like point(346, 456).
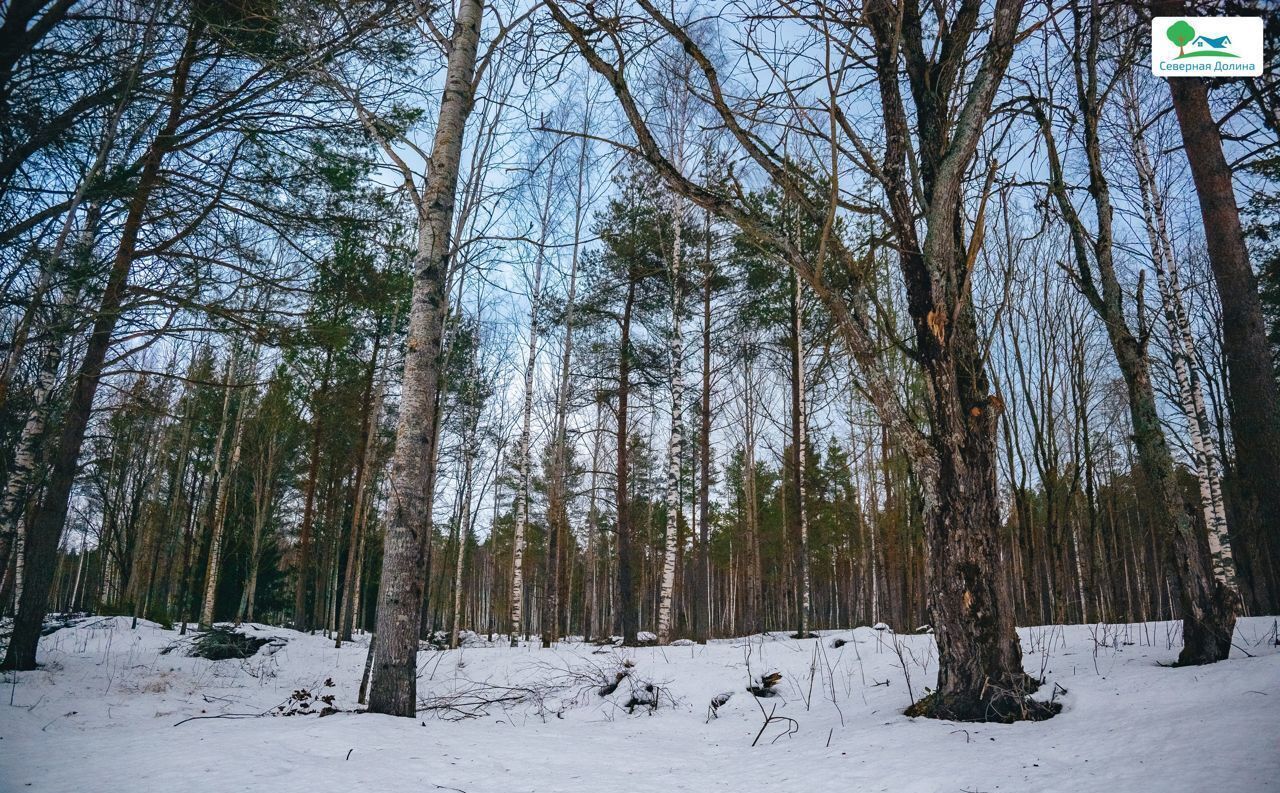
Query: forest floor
point(110, 712)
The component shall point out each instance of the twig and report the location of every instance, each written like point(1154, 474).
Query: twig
point(221, 716)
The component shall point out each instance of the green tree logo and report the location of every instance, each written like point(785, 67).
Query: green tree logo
point(1181, 34)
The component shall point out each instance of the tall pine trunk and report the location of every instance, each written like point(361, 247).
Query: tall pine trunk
point(702, 577)
point(627, 595)
point(364, 471)
point(46, 527)
point(302, 601)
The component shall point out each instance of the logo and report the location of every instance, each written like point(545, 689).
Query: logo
point(1206, 46)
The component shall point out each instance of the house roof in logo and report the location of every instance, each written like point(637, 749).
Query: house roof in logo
point(1217, 43)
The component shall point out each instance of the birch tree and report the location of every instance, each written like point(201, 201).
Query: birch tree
point(1208, 611)
point(675, 437)
point(1186, 364)
point(524, 449)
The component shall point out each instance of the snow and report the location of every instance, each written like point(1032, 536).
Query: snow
point(101, 715)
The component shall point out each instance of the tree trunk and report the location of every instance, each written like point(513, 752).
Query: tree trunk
point(264, 497)
point(364, 466)
point(394, 687)
point(46, 527)
point(627, 596)
point(754, 617)
point(464, 532)
point(800, 512)
point(302, 604)
point(562, 456)
point(517, 626)
point(224, 479)
point(702, 580)
point(1255, 404)
point(980, 673)
point(675, 439)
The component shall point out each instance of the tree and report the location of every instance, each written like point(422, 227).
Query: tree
point(626, 286)
point(980, 659)
point(406, 536)
point(46, 528)
point(1255, 400)
point(1207, 606)
point(1181, 34)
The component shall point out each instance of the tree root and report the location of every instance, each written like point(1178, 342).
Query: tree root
point(1003, 704)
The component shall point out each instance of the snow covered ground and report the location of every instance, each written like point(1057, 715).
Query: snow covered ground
point(107, 713)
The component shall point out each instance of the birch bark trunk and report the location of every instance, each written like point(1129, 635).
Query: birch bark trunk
point(524, 452)
point(1185, 356)
point(675, 439)
point(798, 441)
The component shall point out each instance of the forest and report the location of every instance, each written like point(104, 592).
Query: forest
point(542, 340)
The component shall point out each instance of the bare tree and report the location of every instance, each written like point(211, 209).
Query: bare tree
point(980, 659)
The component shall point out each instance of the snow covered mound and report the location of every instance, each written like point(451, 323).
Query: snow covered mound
point(111, 711)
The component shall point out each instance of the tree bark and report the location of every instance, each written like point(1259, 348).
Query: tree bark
point(675, 438)
point(627, 596)
point(46, 527)
point(1255, 403)
point(394, 687)
point(702, 581)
